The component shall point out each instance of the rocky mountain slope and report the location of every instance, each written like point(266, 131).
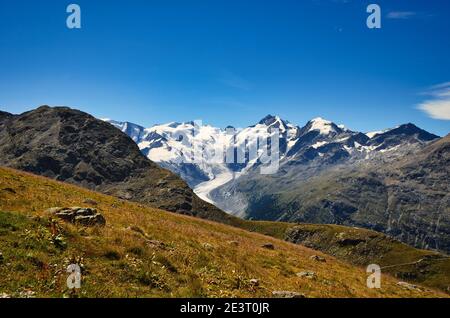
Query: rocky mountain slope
point(313, 162)
point(146, 252)
point(72, 146)
point(407, 199)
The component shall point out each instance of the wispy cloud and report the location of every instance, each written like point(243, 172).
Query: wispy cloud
point(401, 14)
point(235, 81)
point(438, 106)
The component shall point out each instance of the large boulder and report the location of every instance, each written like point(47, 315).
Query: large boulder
point(78, 215)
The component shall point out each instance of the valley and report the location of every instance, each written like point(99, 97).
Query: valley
point(147, 252)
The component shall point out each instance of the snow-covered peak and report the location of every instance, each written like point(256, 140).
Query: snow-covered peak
point(325, 127)
point(287, 130)
point(275, 122)
point(132, 130)
point(320, 120)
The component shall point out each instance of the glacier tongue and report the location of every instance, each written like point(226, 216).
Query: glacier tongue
point(204, 189)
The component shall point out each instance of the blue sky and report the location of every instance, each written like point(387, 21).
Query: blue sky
point(231, 62)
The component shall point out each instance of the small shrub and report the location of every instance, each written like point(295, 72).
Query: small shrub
point(152, 280)
point(202, 260)
point(195, 286)
point(166, 263)
point(36, 261)
point(112, 255)
point(136, 250)
point(20, 268)
point(59, 242)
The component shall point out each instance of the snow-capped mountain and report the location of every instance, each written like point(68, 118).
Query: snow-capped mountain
point(200, 153)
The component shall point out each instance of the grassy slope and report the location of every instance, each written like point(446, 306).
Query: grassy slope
point(123, 259)
point(362, 247)
point(398, 259)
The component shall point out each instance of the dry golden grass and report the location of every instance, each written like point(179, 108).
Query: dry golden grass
point(145, 252)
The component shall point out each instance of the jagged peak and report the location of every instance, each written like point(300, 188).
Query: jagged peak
point(275, 122)
point(268, 120)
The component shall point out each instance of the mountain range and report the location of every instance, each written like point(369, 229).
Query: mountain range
point(320, 142)
point(327, 174)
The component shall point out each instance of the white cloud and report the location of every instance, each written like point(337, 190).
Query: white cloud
point(440, 90)
point(437, 107)
point(401, 14)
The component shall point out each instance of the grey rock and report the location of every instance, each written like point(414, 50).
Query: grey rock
point(207, 246)
point(287, 294)
point(307, 274)
point(409, 286)
point(27, 294)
